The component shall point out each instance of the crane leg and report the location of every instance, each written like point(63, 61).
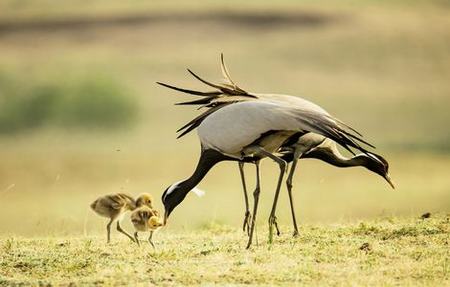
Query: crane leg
point(247, 218)
point(255, 205)
point(272, 218)
point(297, 155)
point(119, 228)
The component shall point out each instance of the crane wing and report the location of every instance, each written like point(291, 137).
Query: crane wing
point(235, 126)
point(331, 128)
point(307, 119)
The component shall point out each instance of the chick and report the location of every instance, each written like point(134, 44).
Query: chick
point(114, 206)
point(145, 219)
point(144, 199)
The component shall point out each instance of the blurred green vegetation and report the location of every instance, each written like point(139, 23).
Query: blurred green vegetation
point(84, 102)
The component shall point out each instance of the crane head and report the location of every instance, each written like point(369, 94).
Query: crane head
point(380, 166)
point(173, 196)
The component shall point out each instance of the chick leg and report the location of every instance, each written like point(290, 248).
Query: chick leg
point(108, 230)
point(150, 239)
point(119, 228)
point(255, 205)
point(247, 218)
point(136, 238)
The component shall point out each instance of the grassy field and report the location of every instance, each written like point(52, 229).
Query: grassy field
point(386, 252)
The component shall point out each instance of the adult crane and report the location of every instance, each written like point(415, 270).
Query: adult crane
point(246, 127)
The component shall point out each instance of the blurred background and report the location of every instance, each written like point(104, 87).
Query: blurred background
point(81, 115)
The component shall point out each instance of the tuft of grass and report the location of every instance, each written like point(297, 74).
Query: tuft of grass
point(414, 229)
point(347, 254)
point(8, 245)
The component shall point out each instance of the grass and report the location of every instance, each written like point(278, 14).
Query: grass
point(387, 252)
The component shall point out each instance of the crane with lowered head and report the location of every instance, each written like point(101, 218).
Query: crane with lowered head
point(247, 127)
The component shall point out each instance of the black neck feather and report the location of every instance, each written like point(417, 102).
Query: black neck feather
point(336, 159)
point(208, 159)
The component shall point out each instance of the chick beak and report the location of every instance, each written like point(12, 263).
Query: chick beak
point(389, 180)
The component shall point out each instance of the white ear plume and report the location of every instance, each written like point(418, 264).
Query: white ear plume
point(198, 192)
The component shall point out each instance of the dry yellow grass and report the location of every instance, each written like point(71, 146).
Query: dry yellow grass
point(392, 251)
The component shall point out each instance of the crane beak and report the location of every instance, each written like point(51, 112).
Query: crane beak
point(166, 215)
point(389, 180)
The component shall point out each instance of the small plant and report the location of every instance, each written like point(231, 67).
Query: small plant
point(8, 245)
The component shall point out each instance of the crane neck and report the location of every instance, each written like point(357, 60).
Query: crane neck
point(208, 159)
point(177, 192)
point(334, 157)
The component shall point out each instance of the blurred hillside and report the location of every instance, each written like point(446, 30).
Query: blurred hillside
point(81, 115)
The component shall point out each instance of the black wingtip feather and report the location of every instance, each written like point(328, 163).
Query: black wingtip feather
point(192, 92)
point(358, 139)
point(204, 81)
point(196, 102)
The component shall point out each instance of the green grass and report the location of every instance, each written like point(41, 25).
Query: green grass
point(386, 252)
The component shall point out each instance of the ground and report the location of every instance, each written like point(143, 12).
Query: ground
point(387, 251)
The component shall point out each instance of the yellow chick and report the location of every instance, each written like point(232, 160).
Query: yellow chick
point(145, 219)
point(144, 199)
point(114, 206)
